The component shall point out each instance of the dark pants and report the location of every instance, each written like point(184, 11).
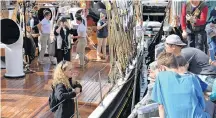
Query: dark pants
point(36, 41)
point(198, 40)
point(60, 55)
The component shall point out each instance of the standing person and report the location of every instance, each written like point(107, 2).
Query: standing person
point(45, 28)
point(62, 33)
point(211, 35)
point(102, 35)
point(33, 21)
point(82, 41)
point(64, 85)
point(193, 22)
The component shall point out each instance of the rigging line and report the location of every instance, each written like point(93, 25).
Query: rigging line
point(92, 96)
point(96, 94)
point(84, 105)
point(96, 73)
point(122, 84)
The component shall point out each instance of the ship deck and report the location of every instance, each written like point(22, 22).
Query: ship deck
point(28, 97)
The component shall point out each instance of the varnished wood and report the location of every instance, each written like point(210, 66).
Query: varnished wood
point(28, 97)
point(2, 52)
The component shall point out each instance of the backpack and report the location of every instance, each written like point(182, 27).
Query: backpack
point(53, 102)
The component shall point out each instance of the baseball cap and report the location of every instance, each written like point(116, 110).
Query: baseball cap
point(175, 40)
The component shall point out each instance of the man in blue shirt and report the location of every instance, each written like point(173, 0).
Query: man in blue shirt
point(178, 96)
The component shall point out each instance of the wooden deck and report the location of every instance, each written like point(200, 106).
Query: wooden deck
point(28, 97)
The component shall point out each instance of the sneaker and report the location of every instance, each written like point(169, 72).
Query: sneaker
point(98, 58)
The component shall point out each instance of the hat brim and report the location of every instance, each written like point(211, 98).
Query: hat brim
point(182, 44)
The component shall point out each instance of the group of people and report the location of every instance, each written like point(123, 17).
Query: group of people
point(182, 75)
point(182, 72)
point(196, 30)
point(65, 87)
point(64, 35)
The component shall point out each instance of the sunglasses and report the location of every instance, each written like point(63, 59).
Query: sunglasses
point(63, 62)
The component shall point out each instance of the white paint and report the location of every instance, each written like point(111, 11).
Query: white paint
point(14, 58)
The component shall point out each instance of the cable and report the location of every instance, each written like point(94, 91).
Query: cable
point(89, 97)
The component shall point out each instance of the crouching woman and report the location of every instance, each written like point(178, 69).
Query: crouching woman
point(65, 89)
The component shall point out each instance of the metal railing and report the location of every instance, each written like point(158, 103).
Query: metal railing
point(90, 98)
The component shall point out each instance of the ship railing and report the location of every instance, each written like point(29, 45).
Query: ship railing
point(90, 98)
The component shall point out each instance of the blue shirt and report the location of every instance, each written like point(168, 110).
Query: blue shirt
point(181, 96)
point(202, 84)
point(46, 26)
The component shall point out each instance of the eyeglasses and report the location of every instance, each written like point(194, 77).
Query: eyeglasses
point(63, 62)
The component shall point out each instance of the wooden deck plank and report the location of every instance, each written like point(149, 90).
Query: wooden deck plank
point(21, 98)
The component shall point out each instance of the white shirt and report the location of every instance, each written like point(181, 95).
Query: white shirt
point(81, 30)
point(46, 26)
point(140, 30)
point(32, 23)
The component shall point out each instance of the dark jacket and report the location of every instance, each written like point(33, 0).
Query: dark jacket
point(63, 36)
point(102, 33)
point(65, 109)
point(65, 43)
point(35, 29)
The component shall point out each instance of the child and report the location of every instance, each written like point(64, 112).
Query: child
point(183, 67)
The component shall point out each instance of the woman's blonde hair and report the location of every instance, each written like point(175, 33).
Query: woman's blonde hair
point(59, 77)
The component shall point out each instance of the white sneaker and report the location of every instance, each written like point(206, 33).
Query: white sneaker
point(77, 56)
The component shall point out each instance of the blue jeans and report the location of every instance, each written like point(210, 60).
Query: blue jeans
point(212, 47)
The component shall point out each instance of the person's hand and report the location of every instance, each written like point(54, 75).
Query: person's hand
point(184, 34)
point(191, 18)
point(188, 17)
point(77, 90)
point(152, 74)
point(73, 37)
point(104, 24)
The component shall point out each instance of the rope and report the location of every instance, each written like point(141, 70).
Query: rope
point(89, 97)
